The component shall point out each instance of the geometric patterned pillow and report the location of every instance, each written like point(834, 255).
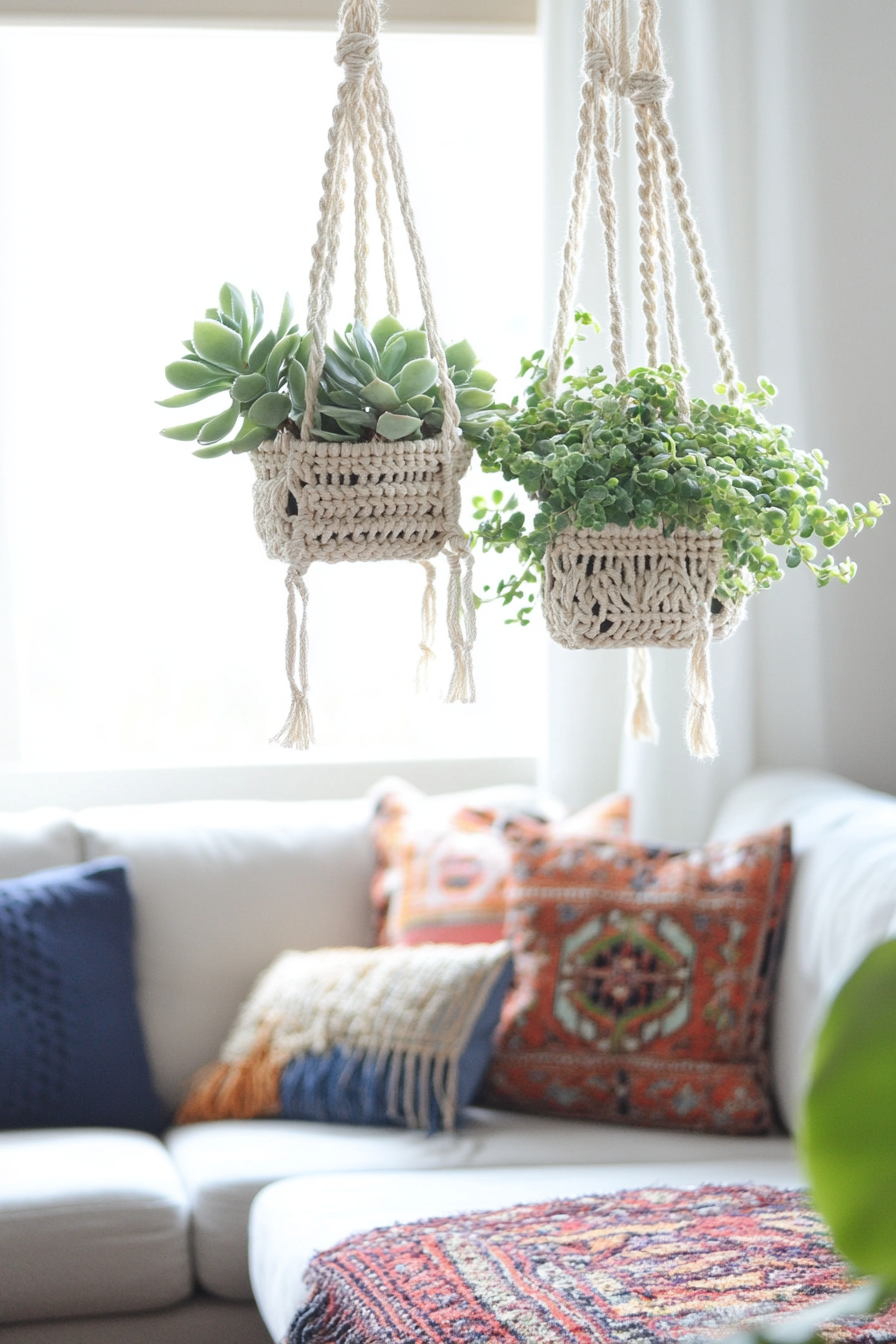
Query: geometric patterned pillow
point(442, 876)
point(644, 979)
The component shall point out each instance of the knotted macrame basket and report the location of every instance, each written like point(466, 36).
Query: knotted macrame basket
point(372, 499)
point(629, 587)
point(357, 501)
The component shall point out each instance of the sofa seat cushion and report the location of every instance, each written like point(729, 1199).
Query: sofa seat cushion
point(293, 1219)
point(92, 1221)
point(224, 1165)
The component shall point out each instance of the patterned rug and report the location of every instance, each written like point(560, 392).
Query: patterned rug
point(641, 1267)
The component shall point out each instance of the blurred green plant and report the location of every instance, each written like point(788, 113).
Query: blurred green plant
point(377, 384)
point(620, 452)
point(847, 1139)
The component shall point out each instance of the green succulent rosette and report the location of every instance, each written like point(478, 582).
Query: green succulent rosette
point(381, 384)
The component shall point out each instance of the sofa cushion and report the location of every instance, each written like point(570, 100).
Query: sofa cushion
point(92, 1221)
point(43, 837)
point(293, 1219)
point(644, 982)
point(221, 888)
point(444, 861)
point(224, 1165)
point(71, 1045)
point(843, 901)
point(362, 1035)
point(811, 802)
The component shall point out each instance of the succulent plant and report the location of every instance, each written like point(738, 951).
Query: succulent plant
point(377, 384)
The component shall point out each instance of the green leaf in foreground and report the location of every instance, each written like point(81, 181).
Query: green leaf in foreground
point(848, 1134)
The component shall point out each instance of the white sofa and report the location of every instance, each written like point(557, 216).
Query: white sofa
point(113, 1235)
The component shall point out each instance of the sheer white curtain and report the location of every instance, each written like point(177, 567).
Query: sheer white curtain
point(783, 115)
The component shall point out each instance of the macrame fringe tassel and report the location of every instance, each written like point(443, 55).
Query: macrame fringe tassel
point(298, 730)
point(237, 1091)
point(701, 730)
point(642, 722)
point(428, 626)
point(461, 620)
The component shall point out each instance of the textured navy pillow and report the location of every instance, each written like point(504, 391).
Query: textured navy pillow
point(71, 1045)
point(337, 1088)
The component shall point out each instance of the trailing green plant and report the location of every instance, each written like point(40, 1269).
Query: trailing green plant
point(378, 384)
point(621, 452)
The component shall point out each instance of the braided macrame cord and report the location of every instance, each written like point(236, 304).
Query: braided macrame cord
point(626, 587)
point(368, 500)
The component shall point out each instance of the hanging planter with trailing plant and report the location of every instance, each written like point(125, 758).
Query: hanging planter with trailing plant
point(358, 446)
point(656, 512)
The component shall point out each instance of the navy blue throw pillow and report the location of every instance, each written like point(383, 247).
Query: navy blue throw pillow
point(71, 1044)
point(343, 1089)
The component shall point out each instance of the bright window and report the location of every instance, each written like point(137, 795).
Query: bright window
point(140, 168)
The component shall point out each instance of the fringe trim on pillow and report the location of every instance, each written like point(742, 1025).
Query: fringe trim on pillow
point(242, 1091)
point(409, 1010)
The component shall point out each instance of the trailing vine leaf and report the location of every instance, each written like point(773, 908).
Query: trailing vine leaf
point(620, 452)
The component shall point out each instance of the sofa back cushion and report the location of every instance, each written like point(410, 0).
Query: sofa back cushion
point(219, 889)
point(843, 902)
point(43, 837)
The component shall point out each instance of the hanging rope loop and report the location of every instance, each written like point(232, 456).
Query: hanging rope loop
point(346, 513)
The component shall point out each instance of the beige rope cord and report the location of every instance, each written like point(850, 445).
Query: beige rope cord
point(623, 586)
point(370, 500)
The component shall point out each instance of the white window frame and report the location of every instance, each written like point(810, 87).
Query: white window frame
point(21, 789)
point(469, 15)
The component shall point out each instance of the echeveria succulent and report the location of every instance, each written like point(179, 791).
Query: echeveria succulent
point(376, 384)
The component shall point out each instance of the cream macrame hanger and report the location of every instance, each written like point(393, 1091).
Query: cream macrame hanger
point(608, 73)
point(363, 122)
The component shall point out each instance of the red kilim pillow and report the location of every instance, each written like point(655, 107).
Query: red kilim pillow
point(442, 876)
point(643, 982)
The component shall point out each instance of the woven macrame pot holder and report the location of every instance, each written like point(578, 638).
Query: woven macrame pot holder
point(357, 501)
point(625, 587)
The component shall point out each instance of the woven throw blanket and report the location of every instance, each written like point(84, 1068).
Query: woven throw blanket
point(402, 1017)
point(641, 1267)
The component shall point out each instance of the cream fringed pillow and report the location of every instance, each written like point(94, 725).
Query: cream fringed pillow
point(360, 1036)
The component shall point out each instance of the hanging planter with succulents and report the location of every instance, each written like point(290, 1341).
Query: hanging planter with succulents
point(656, 512)
point(358, 446)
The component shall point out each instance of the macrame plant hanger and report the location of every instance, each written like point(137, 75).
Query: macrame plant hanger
point(628, 587)
point(371, 500)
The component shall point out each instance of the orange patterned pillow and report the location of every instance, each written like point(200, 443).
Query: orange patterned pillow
point(442, 876)
point(643, 982)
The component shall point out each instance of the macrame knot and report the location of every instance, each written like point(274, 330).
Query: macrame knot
point(647, 86)
point(355, 51)
point(596, 64)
